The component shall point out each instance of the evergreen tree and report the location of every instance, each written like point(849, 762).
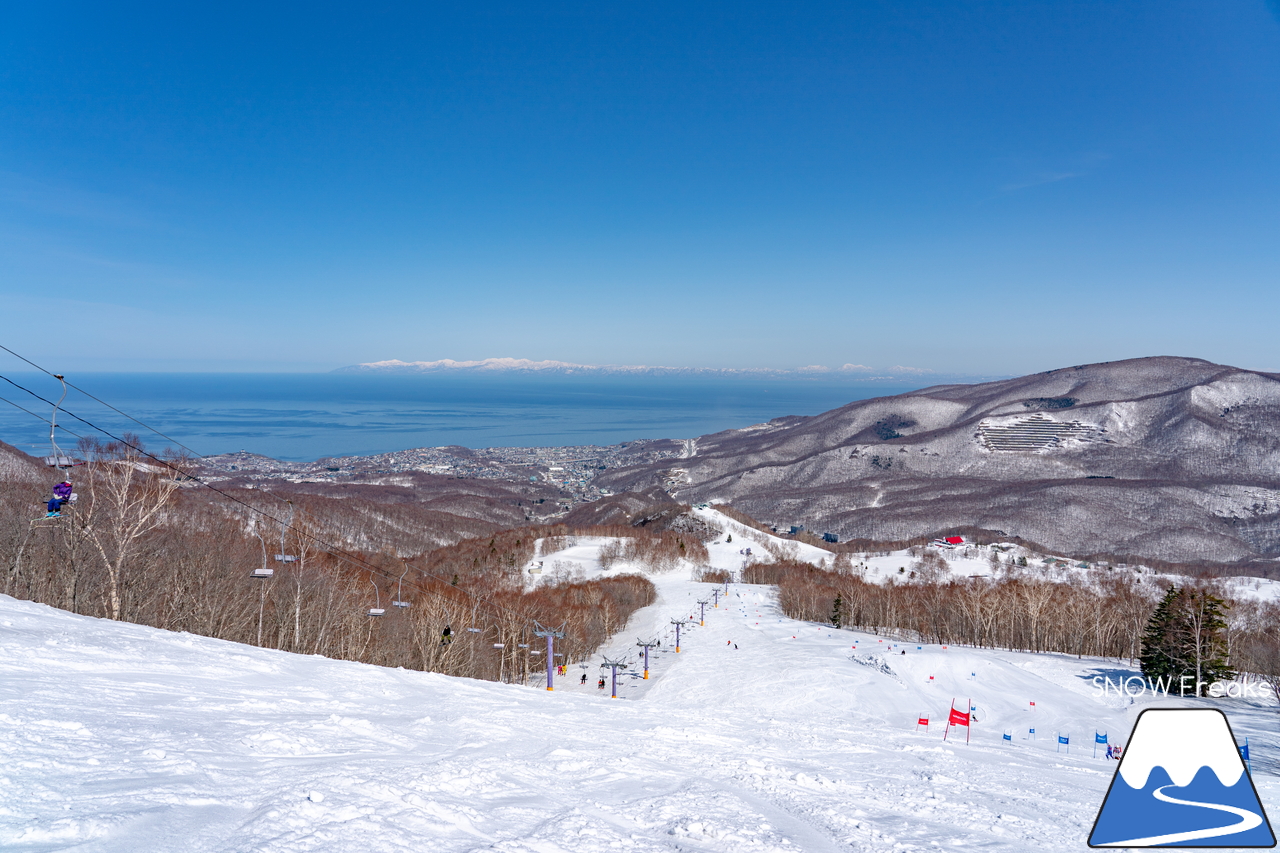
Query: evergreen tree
point(1158, 642)
point(1185, 637)
point(837, 612)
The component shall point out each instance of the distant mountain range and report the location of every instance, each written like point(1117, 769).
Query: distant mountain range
point(1174, 459)
point(859, 372)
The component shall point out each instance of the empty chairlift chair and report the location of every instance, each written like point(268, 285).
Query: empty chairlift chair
point(400, 602)
point(377, 609)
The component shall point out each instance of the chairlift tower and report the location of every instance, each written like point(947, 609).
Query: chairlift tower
point(551, 634)
point(715, 595)
point(614, 665)
point(678, 623)
point(646, 646)
point(702, 612)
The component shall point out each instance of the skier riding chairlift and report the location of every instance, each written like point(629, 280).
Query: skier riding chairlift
point(62, 492)
point(62, 495)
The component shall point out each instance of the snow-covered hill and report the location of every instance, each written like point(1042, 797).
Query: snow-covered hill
point(762, 734)
point(1165, 458)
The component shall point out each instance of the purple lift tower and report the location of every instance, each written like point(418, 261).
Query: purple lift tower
point(646, 646)
point(614, 665)
point(715, 595)
point(702, 611)
point(541, 630)
point(677, 623)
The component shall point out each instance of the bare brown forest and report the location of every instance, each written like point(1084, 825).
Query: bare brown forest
point(145, 544)
point(1105, 617)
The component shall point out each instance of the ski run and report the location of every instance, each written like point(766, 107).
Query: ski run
point(762, 734)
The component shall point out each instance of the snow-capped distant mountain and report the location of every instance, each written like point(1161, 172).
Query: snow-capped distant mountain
point(524, 365)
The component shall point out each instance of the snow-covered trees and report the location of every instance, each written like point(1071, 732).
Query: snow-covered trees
point(1108, 617)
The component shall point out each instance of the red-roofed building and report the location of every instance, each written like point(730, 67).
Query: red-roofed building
point(954, 540)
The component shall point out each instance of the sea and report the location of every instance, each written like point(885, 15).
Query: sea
point(308, 416)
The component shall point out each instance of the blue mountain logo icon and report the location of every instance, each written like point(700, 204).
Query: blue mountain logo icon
point(1182, 783)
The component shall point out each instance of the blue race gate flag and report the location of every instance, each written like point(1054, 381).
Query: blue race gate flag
point(1099, 738)
point(1063, 739)
point(1007, 736)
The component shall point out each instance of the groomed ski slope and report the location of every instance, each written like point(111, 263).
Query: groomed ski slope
point(117, 737)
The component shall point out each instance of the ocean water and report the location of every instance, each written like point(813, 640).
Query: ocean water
point(302, 417)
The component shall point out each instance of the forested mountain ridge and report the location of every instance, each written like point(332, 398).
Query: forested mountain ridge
point(1163, 458)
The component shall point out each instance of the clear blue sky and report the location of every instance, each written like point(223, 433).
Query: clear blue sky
point(974, 187)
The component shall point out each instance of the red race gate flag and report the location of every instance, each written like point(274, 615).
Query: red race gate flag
point(923, 721)
point(958, 718)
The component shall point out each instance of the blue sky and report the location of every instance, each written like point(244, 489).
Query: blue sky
point(970, 187)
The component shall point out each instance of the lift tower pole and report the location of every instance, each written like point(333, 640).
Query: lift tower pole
point(614, 665)
point(541, 630)
point(677, 623)
point(646, 647)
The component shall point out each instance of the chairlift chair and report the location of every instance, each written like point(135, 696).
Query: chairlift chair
point(377, 609)
point(262, 574)
point(286, 558)
point(59, 461)
point(399, 587)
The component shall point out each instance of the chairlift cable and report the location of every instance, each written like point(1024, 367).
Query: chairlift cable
point(105, 403)
point(34, 414)
point(170, 439)
point(326, 547)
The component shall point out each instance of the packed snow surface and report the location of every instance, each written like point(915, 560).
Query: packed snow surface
point(762, 734)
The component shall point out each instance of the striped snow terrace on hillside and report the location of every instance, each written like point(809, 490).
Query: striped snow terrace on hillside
point(1034, 433)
